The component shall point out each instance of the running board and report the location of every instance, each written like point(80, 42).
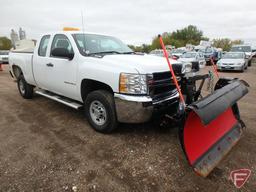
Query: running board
point(60, 99)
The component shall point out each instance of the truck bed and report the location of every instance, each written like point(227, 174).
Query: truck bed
point(23, 60)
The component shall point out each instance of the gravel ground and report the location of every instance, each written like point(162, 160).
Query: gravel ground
point(46, 146)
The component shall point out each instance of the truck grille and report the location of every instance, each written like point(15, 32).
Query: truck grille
point(162, 86)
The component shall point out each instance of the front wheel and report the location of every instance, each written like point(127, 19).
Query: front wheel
point(100, 111)
point(242, 70)
point(25, 89)
point(250, 63)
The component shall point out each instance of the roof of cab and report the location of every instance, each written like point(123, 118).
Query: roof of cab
point(74, 32)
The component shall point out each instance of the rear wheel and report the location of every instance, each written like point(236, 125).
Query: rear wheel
point(100, 111)
point(25, 89)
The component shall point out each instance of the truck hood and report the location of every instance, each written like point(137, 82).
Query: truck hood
point(143, 64)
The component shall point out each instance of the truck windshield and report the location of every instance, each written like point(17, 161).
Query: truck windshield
point(90, 44)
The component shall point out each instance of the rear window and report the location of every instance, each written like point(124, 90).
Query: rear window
point(241, 49)
point(43, 45)
point(189, 55)
point(233, 56)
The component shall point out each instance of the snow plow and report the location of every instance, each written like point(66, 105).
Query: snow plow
point(209, 126)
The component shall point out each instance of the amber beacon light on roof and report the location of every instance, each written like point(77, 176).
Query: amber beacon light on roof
point(71, 29)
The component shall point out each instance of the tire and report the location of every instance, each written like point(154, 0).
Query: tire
point(25, 89)
point(100, 111)
point(250, 63)
point(243, 69)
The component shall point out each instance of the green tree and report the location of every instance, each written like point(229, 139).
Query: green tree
point(190, 34)
point(5, 43)
point(179, 38)
point(143, 48)
point(225, 43)
point(237, 42)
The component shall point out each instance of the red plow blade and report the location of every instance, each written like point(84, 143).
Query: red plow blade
point(212, 127)
point(206, 145)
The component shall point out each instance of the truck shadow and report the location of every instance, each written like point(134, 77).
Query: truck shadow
point(154, 126)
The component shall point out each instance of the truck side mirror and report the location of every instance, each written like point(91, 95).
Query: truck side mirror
point(62, 53)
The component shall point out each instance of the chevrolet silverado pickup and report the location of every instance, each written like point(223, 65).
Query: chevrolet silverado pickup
point(101, 75)
point(97, 72)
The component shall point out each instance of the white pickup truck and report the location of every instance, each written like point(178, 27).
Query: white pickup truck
point(113, 84)
point(97, 72)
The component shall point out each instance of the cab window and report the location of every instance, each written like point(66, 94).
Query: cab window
point(43, 45)
point(61, 41)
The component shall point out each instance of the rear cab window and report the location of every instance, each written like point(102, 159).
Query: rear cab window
point(43, 45)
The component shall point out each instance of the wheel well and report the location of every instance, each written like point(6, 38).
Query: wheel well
point(17, 71)
point(89, 85)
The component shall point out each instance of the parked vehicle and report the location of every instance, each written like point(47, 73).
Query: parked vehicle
point(253, 51)
point(157, 52)
point(247, 49)
point(177, 52)
point(160, 53)
point(210, 53)
point(4, 56)
point(235, 61)
point(101, 75)
point(193, 57)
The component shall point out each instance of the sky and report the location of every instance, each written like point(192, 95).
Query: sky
point(133, 21)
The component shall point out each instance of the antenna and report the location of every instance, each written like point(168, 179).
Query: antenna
point(83, 32)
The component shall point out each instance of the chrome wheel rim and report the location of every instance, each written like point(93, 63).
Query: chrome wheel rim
point(22, 87)
point(98, 113)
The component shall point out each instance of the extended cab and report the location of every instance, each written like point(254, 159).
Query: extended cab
point(98, 73)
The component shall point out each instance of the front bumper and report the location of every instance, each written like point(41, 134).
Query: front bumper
point(230, 67)
point(139, 109)
point(4, 62)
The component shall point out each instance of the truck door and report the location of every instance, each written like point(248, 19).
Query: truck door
point(39, 63)
point(61, 71)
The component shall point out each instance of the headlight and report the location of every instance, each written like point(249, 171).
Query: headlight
point(240, 63)
point(133, 83)
point(186, 67)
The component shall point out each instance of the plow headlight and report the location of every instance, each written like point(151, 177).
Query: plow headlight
point(133, 83)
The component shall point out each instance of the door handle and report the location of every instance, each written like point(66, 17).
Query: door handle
point(49, 65)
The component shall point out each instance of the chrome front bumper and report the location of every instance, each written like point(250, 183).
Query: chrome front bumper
point(137, 109)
